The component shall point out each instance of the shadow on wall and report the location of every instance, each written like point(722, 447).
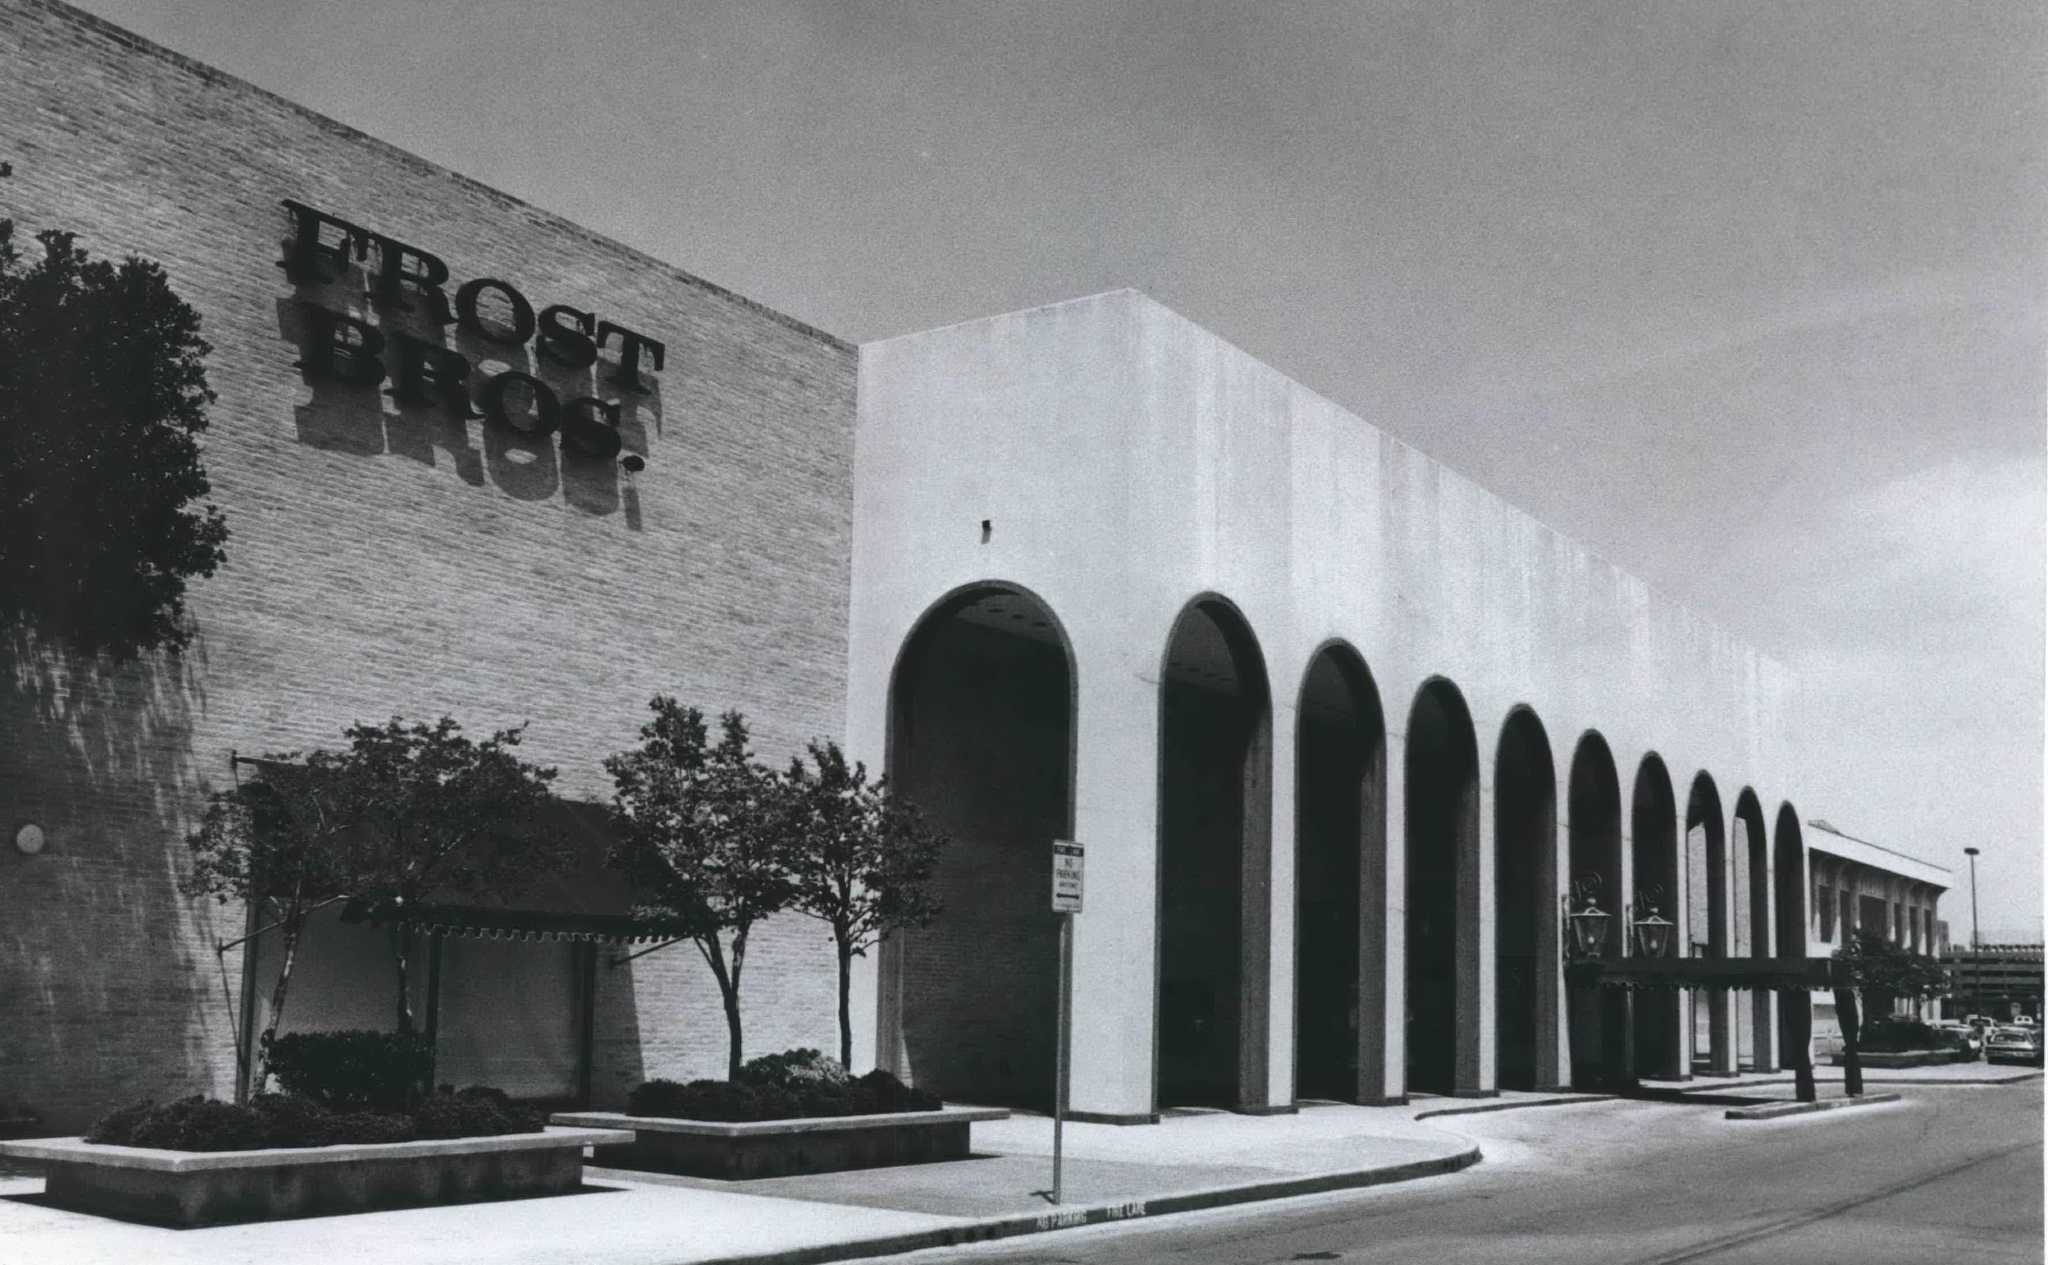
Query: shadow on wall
point(364, 419)
point(108, 982)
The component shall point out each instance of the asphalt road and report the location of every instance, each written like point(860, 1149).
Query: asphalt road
point(1953, 1175)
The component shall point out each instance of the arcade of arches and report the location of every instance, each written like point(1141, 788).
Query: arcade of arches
point(983, 707)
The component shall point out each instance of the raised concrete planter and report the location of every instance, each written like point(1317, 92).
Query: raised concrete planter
point(1904, 1058)
point(777, 1148)
point(187, 1188)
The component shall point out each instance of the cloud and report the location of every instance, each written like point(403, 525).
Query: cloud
point(1923, 612)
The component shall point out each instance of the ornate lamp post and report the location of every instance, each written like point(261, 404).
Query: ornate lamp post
point(1653, 932)
point(1585, 922)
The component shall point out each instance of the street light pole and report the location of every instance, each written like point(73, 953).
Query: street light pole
point(1976, 965)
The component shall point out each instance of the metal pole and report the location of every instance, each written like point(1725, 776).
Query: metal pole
point(1059, 1067)
point(1976, 960)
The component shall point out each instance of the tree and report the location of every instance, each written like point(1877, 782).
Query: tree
point(861, 860)
point(440, 815)
point(279, 845)
point(102, 396)
point(1869, 967)
point(696, 833)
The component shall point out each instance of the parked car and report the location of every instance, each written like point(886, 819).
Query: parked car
point(2013, 1045)
point(1971, 1039)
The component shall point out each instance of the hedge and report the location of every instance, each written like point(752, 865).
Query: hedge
point(199, 1123)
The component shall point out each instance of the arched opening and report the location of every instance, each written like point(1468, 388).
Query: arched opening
point(1215, 848)
point(1788, 889)
point(1598, 1017)
point(1525, 897)
point(1706, 888)
point(1751, 848)
point(1653, 853)
point(981, 738)
point(1340, 848)
point(1441, 789)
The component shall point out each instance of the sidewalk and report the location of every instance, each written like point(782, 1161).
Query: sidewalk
point(1190, 1160)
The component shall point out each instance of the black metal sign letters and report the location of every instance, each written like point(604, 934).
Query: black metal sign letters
point(405, 279)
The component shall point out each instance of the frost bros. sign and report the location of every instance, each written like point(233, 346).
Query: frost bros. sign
point(343, 348)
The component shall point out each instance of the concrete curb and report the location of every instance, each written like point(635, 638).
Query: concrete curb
point(1894, 1080)
point(1775, 1110)
point(990, 1229)
point(1515, 1105)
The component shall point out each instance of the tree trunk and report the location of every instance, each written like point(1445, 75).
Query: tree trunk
point(292, 930)
point(1852, 1058)
point(732, 1027)
point(845, 1006)
point(402, 949)
point(1795, 1026)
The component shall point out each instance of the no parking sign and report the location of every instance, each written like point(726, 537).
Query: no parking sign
point(1067, 859)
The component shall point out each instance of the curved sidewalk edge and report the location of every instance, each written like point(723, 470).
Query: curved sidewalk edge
point(1774, 1111)
point(1514, 1104)
point(990, 1229)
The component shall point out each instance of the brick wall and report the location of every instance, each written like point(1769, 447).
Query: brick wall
point(388, 562)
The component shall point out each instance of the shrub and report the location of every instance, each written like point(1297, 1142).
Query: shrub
point(355, 1070)
point(289, 1120)
point(774, 1102)
point(370, 1126)
point(792, 1069)
point(1887, 1036)
point(199, 1124)
point(823, 1098)
point(879, 1091)
point(658, 1097)
point(281, 1120)
point(720, 1100)
point(872, 1094)
point(117, 1127)
point(474, 1113)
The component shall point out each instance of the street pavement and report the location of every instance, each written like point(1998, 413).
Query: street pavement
point(1952, 1174)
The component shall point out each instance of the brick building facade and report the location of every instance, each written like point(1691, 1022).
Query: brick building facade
point(386, 560)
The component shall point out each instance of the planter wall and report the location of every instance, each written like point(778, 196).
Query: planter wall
point(188, 1188)
point(1906, 1058)
point(778, 1148)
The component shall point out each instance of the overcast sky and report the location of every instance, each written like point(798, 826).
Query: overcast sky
point(1747, 297)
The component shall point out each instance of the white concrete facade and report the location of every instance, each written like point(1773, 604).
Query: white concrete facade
point(1128, 462)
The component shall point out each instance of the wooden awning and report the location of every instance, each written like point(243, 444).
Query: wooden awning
point(486, 922)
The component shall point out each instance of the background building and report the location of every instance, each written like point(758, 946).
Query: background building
point(2003, 981)
point(1863, 886)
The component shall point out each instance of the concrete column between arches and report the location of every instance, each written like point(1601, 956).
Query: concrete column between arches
point(1763, 940)
point(1623, 909)
point(1382, 951)
point(1721, 1002)
point(1478, 969)
point(1281, 939)
point(1681, 935)
point(1115, 972)
point(1553, 1022)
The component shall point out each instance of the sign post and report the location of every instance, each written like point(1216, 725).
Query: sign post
point(1067, 859)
